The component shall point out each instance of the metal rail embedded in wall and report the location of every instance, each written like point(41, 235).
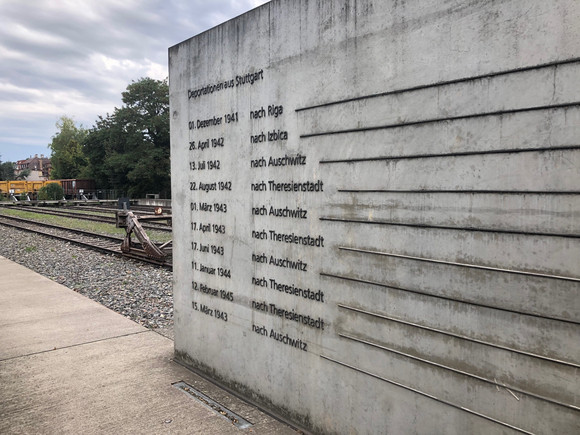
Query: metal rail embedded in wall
point(443, 119)
point(454, 154)
point(461, 372)
point(475, 192)
point(452, 263)
point(444, 227)
point(445, 83)
point(430, 396)
point(450, 299)
point(455, 335)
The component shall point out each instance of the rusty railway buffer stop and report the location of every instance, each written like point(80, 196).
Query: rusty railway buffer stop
point(132, 224)
point(375, 211)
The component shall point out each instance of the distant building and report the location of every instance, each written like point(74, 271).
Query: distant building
point(39, 167)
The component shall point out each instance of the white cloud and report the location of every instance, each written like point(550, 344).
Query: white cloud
point(27, 34)
point(156, 71)
point(74, 58)
point(49, 104)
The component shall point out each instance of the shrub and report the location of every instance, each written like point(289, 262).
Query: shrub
point(52, 191)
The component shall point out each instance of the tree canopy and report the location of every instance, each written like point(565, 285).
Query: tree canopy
point(50, 192)
point(6, 170)
point(23, 174)
point(67, 157)
point(129, 149)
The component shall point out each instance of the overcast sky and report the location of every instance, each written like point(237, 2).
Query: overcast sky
point(75, 57)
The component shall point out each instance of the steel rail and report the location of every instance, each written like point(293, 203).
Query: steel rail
point(58, 227)
point(426, 394)
point(102, 219)
point(96, 242)
point(450, 333)
point(443, 83)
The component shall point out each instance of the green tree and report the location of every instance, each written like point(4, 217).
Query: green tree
point(129, 150)
point(50, 192)
point(23, 174)
point(67, 157)
point(6, 171)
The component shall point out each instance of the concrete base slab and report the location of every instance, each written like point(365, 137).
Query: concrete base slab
point(69, 365)
point(37, 314)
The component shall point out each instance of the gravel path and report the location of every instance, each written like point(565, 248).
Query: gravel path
point(136, 290)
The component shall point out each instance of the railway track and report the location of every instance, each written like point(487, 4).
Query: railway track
point(96, 242)
point(141, 210)
point(88, 217)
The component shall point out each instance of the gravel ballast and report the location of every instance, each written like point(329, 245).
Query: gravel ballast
point(139, 291)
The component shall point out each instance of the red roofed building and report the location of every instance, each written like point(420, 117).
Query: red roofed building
point(39, 167)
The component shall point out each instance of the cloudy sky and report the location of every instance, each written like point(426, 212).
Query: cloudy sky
point(75, 57)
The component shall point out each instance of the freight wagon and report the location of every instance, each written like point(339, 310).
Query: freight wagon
point(73, 188)
point(22, 187)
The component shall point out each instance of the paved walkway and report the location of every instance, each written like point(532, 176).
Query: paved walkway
point(70, 365)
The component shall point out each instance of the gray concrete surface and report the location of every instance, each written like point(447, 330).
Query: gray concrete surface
point(70, 365)
point(415, 162)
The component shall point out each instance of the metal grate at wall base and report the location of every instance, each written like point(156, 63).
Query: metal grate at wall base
point(237, 420)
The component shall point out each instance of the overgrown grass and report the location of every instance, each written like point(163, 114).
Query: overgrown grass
point(79, 224)
point(82, 212)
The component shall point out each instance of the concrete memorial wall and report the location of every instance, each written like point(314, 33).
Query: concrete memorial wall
point(376, 212)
